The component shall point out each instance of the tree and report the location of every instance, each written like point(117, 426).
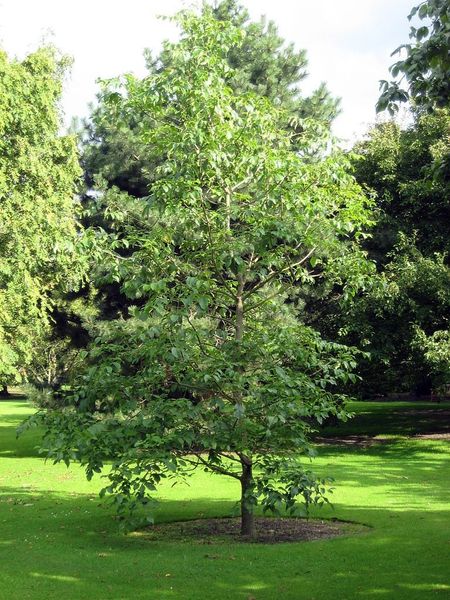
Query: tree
point(436, 349)
point(404, 169)
point(426, 67)
point(214, 369)
point(408, 306)
point(57, 355)
point(38, 171)
point(410, 245)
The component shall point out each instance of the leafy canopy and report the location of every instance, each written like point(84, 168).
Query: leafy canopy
point(426, 66)
point(38, 171)
point(115, 156)
point(407, 172)
point(400, 320)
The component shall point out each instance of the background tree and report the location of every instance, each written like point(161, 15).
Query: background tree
point(403, 169)
point(436, 348)
point(408, 303)
point(410, 245)
point(38, 171)
point(58, 352)
point(214, 369)
point(426, 67)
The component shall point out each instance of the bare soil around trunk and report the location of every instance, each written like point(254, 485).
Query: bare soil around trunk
point(269, 530)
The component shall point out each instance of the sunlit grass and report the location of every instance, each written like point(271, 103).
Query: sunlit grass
point(58, 540)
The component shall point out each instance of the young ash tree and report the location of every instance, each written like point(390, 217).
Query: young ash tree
point(214, 369)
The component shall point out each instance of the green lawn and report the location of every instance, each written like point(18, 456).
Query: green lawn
point(57, 541)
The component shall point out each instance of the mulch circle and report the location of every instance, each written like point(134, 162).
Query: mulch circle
point(269, 530)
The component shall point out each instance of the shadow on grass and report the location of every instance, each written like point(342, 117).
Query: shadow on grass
point(12, 397)
point(24, 446)
point(393, 420)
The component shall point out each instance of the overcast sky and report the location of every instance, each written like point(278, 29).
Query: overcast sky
point(349, 42)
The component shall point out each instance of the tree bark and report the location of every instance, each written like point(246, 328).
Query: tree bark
point(240, 309)
point(4, 391)
point(247, 516)
point(423, 387)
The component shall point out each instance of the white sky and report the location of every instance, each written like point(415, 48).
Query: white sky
point(348, 42)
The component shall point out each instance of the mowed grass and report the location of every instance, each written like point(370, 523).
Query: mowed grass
point(57, 540)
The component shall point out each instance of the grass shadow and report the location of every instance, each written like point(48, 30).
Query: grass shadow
point(375, 418)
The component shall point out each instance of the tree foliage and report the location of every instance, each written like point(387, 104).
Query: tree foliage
point(426, 66)
point(38, 171)
point(408, 171)
point(114, 155)
point(263, 64)
point(406, 309)
point(214, 369)
point(409, 301)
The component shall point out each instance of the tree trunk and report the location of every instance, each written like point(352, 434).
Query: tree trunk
point(247, 516)
point(4, 391)
point(240, 309)
point(423, 387)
